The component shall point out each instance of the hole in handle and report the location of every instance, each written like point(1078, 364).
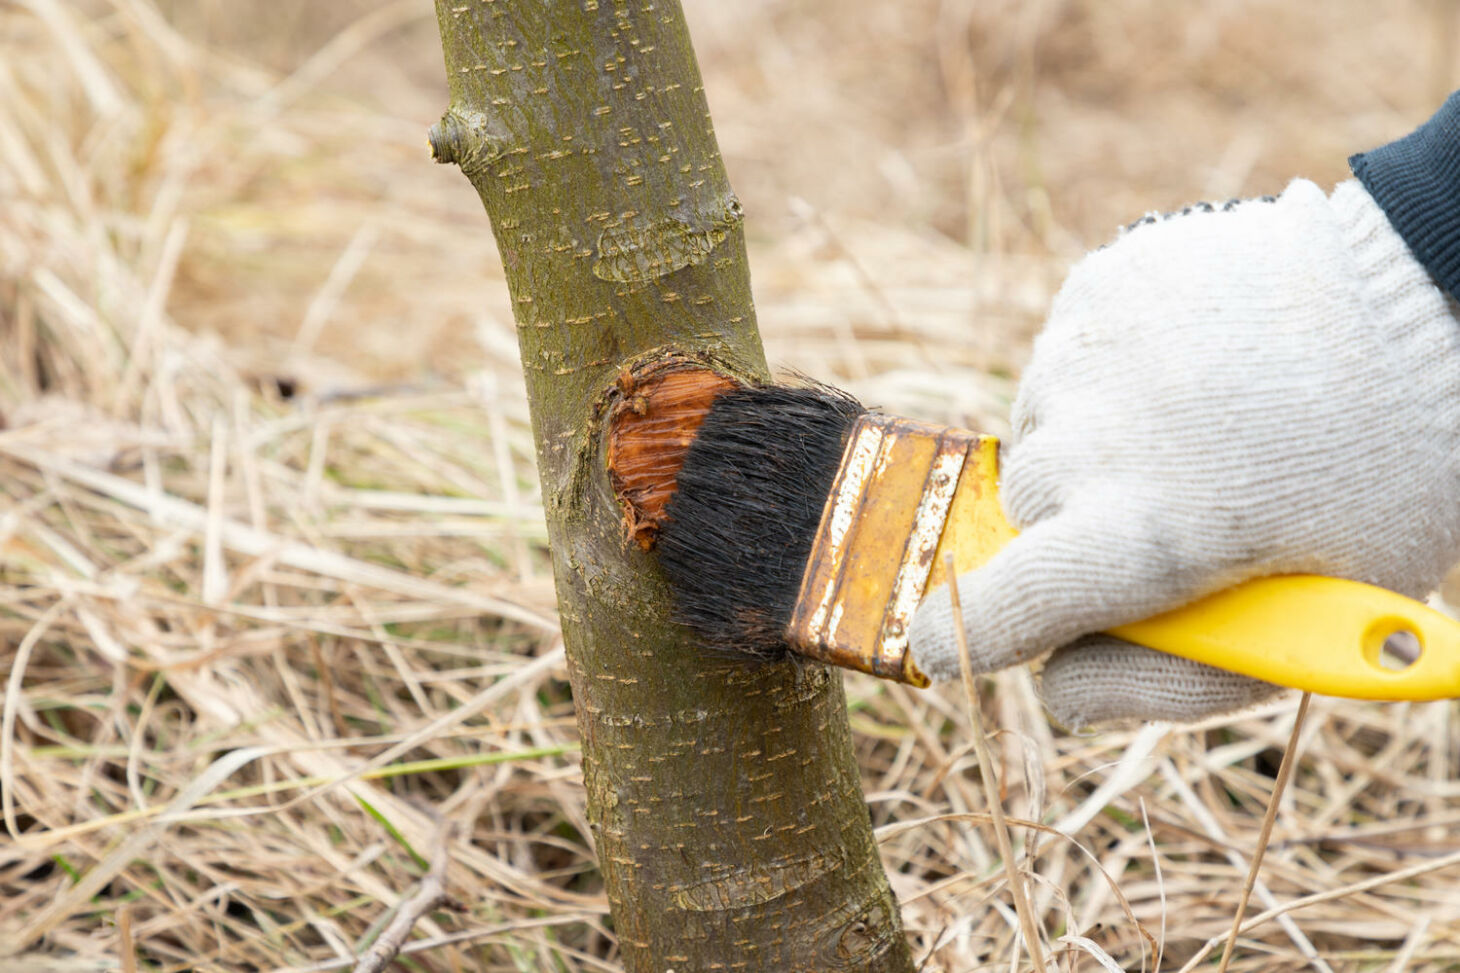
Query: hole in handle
point(1391, 644)
point(1400, 650)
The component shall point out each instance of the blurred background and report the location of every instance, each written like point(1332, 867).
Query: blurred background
point(269, 530)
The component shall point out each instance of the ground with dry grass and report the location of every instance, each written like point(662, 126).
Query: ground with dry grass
point(274, 605)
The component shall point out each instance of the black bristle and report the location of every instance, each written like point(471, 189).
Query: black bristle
point(744, 514)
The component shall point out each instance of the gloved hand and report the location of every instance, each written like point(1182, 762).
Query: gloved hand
point(1265, 387)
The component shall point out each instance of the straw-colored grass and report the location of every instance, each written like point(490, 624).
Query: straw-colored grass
point(275, 607)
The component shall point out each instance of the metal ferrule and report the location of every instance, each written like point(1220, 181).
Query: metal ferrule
point(880, 539)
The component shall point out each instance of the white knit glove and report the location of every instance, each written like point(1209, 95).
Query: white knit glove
point(1265, 387)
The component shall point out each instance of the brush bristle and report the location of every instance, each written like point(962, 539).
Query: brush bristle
point(739, 526)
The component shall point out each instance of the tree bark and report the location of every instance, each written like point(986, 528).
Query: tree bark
point(729, 819)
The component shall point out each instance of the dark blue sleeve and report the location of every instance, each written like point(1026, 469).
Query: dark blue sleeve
point(1416, 181)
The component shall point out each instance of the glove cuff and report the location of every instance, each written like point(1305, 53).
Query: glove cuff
point(1399, 291)
point(1416, 180)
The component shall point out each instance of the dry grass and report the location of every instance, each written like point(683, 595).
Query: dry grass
point(274, 604)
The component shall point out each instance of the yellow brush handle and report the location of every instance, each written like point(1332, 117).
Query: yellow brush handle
point(1323, 635)
point(1320, 634)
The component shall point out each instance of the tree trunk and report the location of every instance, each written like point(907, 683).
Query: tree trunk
point(728, 814)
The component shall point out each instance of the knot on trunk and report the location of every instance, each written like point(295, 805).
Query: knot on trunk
point(466, 139)
point(637, 252)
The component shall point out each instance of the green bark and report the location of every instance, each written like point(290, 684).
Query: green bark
point(728, 814)
point(727, 811)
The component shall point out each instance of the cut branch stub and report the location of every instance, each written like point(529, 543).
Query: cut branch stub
point(464, 138)
point(653, 421)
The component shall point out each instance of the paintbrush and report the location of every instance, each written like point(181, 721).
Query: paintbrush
point(788, 518)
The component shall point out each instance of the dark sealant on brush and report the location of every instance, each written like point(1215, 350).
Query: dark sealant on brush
point(727, 483)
